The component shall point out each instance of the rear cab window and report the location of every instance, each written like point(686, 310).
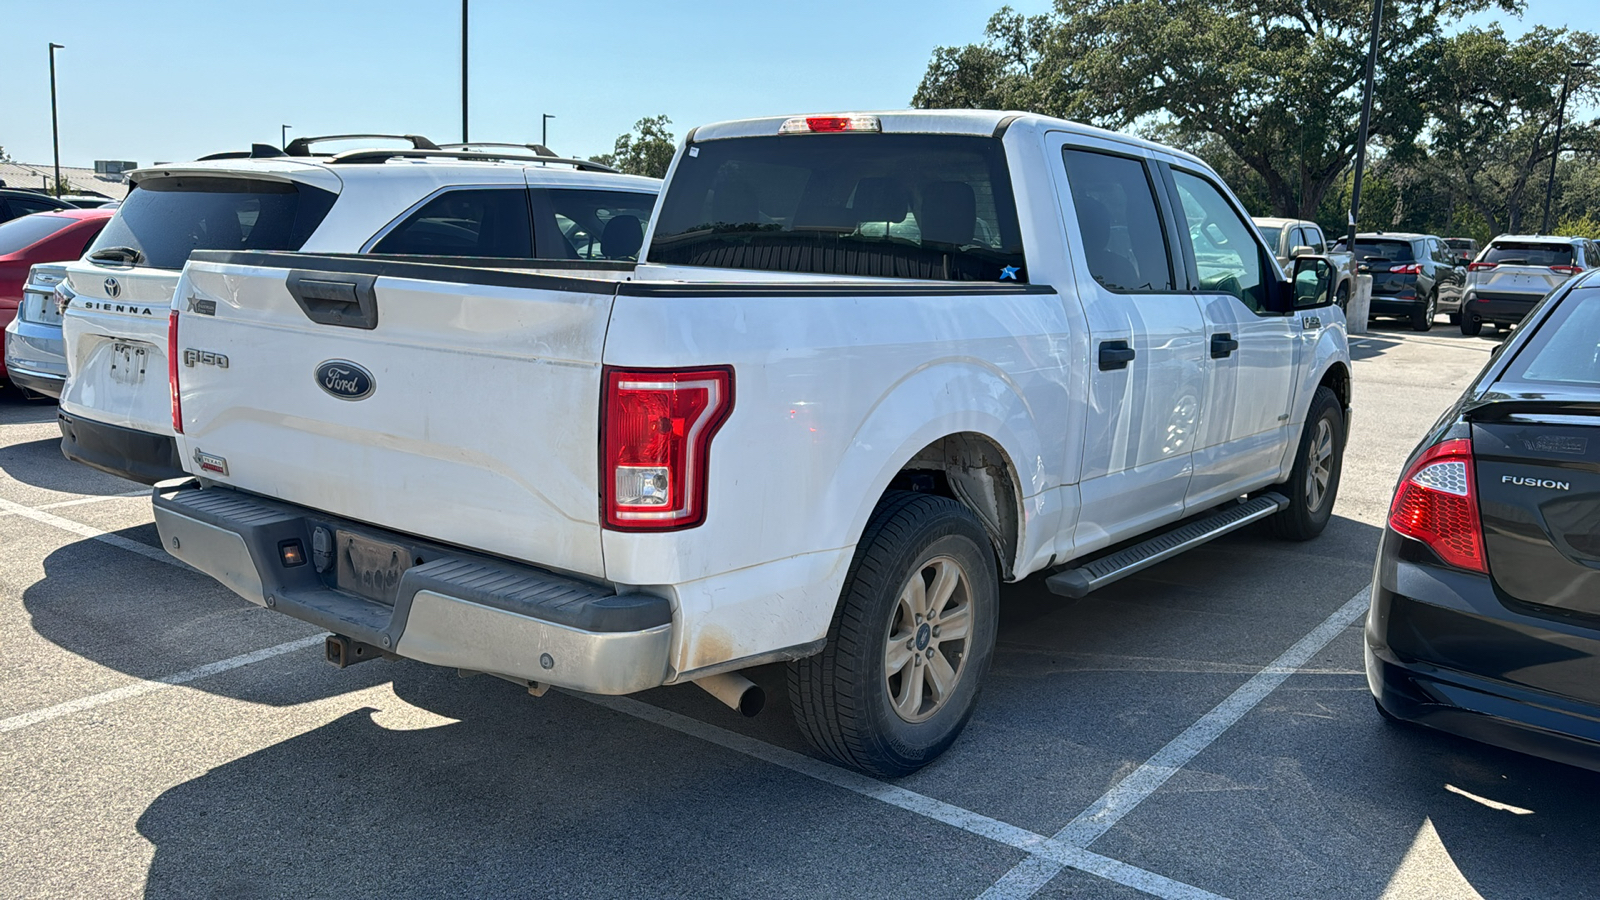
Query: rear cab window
point(927, 206)
point(167, 218)
point(1529, 253)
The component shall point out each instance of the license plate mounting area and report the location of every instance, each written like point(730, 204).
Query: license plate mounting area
point(369, 568)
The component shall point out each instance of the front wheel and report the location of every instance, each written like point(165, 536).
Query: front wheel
point(910, 642)
point(1314, 483)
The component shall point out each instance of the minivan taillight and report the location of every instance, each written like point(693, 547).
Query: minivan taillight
point(656, 427)
point(172, 370)
point(1437, 504)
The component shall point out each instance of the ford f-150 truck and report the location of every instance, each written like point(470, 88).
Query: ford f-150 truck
point(868, 368)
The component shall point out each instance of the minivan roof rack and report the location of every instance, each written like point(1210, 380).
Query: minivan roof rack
point(538, 149)
point(256, 151)
point(378, 156)
point(301, 146)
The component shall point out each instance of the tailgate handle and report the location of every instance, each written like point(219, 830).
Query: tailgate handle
point(335, 299)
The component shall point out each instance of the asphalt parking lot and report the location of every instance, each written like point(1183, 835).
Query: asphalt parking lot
point(1201, 729)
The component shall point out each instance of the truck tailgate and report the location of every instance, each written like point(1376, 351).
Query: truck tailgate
point(453, 403)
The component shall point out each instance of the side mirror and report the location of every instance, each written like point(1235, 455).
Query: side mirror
point(1312, 279)
point(1301, 250)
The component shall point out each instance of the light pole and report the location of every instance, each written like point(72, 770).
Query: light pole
point(544, 130)
point(55, 131)
point(283, 136)
point(1366, 120)
point(1561, 116)
point(463, 71)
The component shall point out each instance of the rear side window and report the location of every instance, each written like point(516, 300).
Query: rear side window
point(591, 224)
point(26, 231)
point(1529, 253)
point(492, 222)
point(1566, 348)
point(1393, 251)
point(892, 205)
point(1125, 245)
point(166, 219)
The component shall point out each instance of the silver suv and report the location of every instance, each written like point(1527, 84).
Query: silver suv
point(1516, 271)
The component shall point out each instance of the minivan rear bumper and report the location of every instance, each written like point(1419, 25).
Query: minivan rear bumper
point(450, 608)
point(125, 452)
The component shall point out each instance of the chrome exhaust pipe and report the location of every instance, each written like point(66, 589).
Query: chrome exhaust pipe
point(735, 690)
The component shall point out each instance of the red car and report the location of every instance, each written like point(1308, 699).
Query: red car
point(42, 237)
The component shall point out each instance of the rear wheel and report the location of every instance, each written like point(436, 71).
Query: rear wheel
point(1455, 318)
point(910, 641)
point(1422, 317)
point(1314, 484)
point(1471, 326)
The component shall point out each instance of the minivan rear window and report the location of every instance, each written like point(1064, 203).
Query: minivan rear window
point(1566, 348)
point(889, 205)
point(1529, 253)
point(1394, 251)
point(166, 219)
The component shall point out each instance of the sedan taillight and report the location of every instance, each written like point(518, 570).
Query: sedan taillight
point(1437, 504)
point(657, 426)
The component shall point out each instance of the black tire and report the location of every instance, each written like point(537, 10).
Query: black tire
point(1455, 318)
point(841, 697)
point(1343, 297)
point(1471, 327)
point(1308, 513)
point(1422, 317)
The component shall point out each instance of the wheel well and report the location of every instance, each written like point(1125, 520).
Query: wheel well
point(972, 470)
point(1337, 379)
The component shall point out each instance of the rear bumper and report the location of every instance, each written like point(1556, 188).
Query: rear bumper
point(1501, 309)
point(451, 608)
point(1396, 304)
point(1442, 650)
point(125, 452)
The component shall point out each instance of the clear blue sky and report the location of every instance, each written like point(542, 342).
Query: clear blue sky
point(154, 80)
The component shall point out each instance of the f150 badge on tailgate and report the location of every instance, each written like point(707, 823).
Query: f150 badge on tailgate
point(345, 380)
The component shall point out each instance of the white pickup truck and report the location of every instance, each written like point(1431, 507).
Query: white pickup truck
point(869, 367)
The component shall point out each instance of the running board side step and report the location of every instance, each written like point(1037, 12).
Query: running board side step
point(1080, 580)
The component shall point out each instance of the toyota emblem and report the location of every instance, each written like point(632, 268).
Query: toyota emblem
point(112, 288)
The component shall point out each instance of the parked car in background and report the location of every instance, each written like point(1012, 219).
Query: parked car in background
point(89, 201)
point(515, 205)
point(1414, 276)
point(868, 367)
point(15, 203)
point(1464, 249)
point(30, 356)
point(1289, 238)
point(1515, 272)
point(1485, 617)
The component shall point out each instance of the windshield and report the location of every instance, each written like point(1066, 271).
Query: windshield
point(25, 231)
point(889, 205)
point(167, 218)
point(1271, 233)
point(1396, 251)
point(1529, 253)
point(1566, 348)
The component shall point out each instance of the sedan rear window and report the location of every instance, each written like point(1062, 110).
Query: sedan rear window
point(1529, 253)
point(1394, 251)
point(25, 231)
point(889, 205)
point(1566, 348)
point(166, 219)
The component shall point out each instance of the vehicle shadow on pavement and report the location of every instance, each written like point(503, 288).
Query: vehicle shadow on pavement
point(554, 797)
point(40, 464)
point(15, 410)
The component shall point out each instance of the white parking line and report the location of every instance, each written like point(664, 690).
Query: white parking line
point(1030, 875)
point(82, 500)
point(82, 530)
point(138, 688)
point(1055, 854)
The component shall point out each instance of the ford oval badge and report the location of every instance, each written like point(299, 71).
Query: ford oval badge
point(345, 380)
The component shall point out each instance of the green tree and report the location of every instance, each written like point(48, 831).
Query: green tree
point(1277, 83)
point(647, 150)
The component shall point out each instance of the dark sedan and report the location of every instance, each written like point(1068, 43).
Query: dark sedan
point(1485, 616)
point(1413, 276)
point(15, 204)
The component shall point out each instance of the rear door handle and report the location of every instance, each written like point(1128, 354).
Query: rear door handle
point(1115, 355)
point(1223, 345)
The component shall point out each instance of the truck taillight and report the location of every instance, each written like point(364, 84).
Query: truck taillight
point(656, 428)
point(172, 370)
point(1437, 504)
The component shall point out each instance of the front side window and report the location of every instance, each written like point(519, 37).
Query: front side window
point(491, 222)
point(933, 206)
point(165, 219)
point(592, 224)
point(1228, 259)
point(1123, 241)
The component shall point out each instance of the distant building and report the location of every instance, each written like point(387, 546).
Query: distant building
point(107, 178)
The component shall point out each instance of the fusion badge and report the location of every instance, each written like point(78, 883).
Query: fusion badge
point(1535, 482)
point(345, 380)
